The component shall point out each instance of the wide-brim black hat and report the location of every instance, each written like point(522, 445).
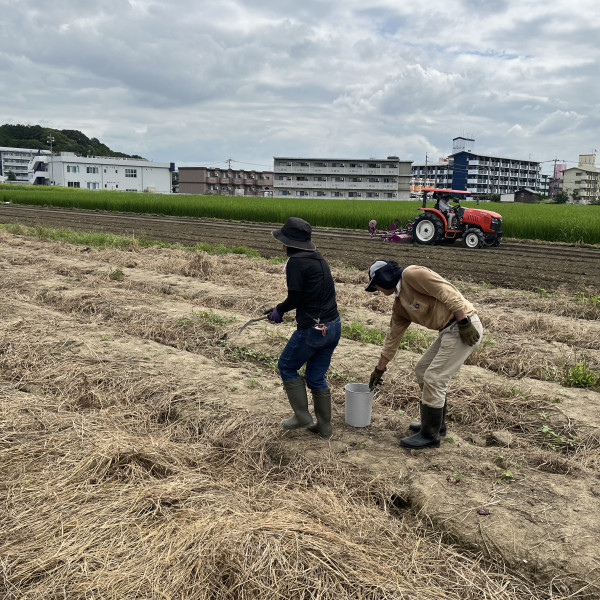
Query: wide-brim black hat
point(295, 233)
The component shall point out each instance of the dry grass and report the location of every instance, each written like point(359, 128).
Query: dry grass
point(117, 481)
point(94, 510)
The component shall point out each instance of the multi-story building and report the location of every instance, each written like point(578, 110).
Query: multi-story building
point(337, 178)
point(16, 161)
point(480, 173)
point(225, 181)
point(66, 169)
point(584, 179)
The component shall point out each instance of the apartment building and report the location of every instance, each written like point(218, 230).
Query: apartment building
point(585, 179)
point(66, 169)
point(342, 178)
point(16, 161)
point(481, 173)
point(225, 181)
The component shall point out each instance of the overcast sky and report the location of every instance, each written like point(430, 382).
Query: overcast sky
point(196, 82)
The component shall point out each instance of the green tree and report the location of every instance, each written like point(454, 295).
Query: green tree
point(576, 196)
point(11, 176)
point(494, 197)
point(561, 197)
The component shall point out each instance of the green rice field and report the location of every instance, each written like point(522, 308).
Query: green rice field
point(575, 224)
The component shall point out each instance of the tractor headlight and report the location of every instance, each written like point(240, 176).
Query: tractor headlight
point(496, 221)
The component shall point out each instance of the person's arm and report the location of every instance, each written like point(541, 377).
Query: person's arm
point(293, 301)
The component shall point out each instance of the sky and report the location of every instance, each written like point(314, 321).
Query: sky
point(197, 82)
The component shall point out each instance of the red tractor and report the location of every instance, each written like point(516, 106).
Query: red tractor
point(445, 224)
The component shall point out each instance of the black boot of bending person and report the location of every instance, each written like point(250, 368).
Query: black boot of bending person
point(429, 435)
point(416, 427)
point(296, 393)
point(322, 402)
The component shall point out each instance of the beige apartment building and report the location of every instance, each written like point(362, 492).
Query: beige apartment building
point(342, 178)
point(585, 178)
point(225, 181)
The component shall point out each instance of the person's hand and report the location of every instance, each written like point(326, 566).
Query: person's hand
point(376, 376)
point(468, 334)
point(273, 315)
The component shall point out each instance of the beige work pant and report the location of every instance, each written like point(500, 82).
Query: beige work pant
point(441, 361)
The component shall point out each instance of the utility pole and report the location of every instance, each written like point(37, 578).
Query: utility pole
point(50, 140)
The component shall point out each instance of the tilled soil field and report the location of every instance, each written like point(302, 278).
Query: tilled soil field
point(141, 454)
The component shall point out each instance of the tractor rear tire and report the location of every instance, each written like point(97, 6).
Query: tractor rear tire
point(473, 238)
point(428, 230)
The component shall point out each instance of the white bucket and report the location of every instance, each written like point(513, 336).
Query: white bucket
point(359, 403)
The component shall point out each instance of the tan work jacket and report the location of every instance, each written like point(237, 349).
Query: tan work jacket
point(425, 298)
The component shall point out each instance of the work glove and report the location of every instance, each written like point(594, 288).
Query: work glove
point(468, 334)
point(273, 315)
point(376, 378)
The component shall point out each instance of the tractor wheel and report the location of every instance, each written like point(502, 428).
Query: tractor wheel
point(473, 238)
point(428, 229)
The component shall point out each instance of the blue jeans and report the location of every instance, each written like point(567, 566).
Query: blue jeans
point(310, 347)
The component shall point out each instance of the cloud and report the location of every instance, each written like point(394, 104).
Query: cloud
point(197, 81)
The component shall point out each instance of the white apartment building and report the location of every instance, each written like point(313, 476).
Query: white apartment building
point(16, 161)
point(585, 178)
point(66, 169)
point(342, 178)
point(481, 173)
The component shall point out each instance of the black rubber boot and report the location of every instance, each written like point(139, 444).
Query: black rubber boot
point(429, 435)
point(296, 393)
point(416, 427)
point(322, 402)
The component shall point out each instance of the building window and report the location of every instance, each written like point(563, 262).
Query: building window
point(285, 192)
point(320, 164)
point(73, 169)
point(130, 172)
point(93, 185)
point(304, 164)
point(319, 193)
point(320, 178)
point(92, 170)
point(73, 184)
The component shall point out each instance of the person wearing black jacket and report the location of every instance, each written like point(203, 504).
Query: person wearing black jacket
point(311, 293)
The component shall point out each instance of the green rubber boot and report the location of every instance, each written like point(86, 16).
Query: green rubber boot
point(296, 393)
point(322, 402)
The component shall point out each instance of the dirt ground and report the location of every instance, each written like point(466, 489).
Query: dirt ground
point(88, 333)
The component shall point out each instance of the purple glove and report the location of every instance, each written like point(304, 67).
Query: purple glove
point(273, 315)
